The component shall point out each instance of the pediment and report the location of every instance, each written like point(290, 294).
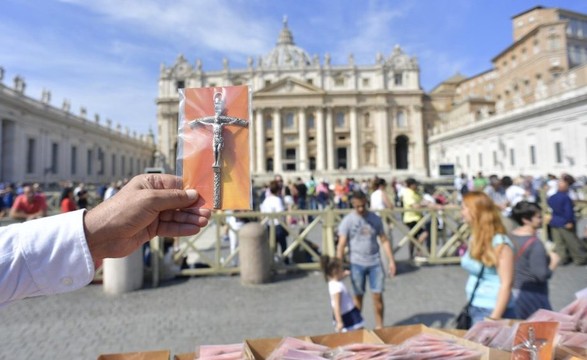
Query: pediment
point(289, 86)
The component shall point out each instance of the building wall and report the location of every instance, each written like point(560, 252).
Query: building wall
point(525, 116)
point(46, 144)
point(358, 109)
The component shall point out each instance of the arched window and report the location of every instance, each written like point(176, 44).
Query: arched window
point(401, 152)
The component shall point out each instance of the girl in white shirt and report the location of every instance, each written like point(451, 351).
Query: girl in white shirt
point(346, 315)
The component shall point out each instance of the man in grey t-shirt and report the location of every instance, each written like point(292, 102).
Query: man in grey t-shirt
point(360, 230)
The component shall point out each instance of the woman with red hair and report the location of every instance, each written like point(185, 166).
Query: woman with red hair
point(489, 260)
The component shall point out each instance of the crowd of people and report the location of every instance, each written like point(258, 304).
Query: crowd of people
point(508, 264)
point(28, 201)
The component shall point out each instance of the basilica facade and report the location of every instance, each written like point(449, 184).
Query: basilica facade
point(311, 116)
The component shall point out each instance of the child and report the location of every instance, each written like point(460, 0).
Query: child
point(345, 313)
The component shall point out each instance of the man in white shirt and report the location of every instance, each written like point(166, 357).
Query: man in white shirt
point(57, 254)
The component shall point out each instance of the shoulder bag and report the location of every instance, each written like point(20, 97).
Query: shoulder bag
point(464, 320)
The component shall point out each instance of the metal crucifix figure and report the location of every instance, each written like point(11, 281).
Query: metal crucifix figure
point(218, 121)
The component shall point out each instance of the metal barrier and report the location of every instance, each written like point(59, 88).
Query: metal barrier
point(443, 242)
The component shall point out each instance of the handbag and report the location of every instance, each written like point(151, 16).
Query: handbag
point(464, 320)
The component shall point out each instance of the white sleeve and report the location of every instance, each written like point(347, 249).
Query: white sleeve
point(335, 287)
point(44, 256)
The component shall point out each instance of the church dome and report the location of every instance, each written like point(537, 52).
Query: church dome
point(286, 53)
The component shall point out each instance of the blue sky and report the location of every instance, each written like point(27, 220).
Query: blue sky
point(106, 54)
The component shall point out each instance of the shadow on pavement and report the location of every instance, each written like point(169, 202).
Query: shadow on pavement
point(438, 319)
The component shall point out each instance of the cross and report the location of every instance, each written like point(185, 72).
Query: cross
point(531, 345)
point(218, 121)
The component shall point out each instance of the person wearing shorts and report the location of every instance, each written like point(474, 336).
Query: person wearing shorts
point(363, 232)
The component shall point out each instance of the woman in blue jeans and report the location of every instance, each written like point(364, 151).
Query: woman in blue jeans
point(491, 250)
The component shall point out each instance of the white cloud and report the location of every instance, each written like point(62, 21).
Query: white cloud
point(224, 27)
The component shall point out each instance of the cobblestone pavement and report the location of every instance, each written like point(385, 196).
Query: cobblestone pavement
point(182, 314)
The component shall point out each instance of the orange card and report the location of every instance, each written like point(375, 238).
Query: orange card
point(214, 134)
point(535, 340)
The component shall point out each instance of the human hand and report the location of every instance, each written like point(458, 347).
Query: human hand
point(149, 205)
point(569, 226)
point(392, 268)
point(339, 326)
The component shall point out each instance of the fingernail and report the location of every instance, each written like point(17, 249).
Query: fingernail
point(192, 194)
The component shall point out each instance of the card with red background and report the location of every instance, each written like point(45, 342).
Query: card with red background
point(196, 153)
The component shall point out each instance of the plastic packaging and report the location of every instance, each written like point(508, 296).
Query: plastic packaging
point(213, 154)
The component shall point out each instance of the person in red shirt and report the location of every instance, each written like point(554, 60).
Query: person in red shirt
point(67, 200)
point(29, 205)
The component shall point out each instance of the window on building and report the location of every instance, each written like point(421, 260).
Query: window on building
point(73, 160)
point(311, 121)
point(340, 120)
point(554, 42)
point(558, 152)
point(269, 164)
point(268, 123)
point(366, 82)
point(113, 163)
point(30, 155)
point(89, 162)
point(310, 81)
point(367, 120)
point(131, 164)
point(532, 155)
point(513, 61)
point(400, 119)
point(289, 121)
point(290, 159)
point(512, 157)
point(101, 162)
point(267, 83)
point(123, 165)
point(54, 158)
point(180, 84)
point(536, 47)
point(312, 164)
point(341, 158)
point(398, 79)
point(339, 81)
point(213, 84)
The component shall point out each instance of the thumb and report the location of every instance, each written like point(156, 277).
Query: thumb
point(171, 199)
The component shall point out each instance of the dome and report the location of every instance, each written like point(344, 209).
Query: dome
point(286, 53)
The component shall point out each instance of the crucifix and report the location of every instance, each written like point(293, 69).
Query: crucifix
point(531, 344)
point(217, 122)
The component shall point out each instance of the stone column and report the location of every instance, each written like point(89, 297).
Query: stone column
point(277, 141)
point(320, 140)
point(124, 274)
point(260, 148)
point(252, 137)
point(329, 139)
point(354, 139)
point(255, 255)
point(383, 138)
point(418, 163)
point(303, 140)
